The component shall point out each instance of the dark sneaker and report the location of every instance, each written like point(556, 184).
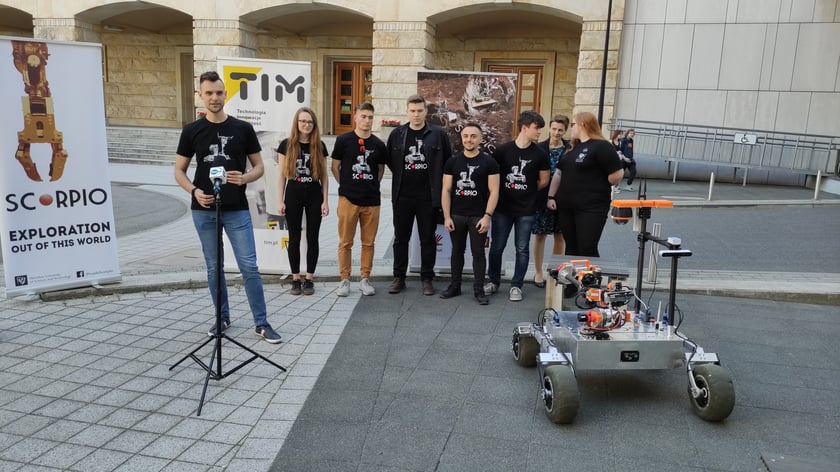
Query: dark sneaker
point(267, 332)
point(296, 288)
point(308, 287)
point(428, 288)
point(453, 290)
point(212, 332)
point(481, 298)
point(397, 285)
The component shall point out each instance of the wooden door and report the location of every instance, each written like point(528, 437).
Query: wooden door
point(353, 83)
point(528, 86)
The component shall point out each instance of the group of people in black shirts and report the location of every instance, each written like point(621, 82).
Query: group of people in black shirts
point(471, 193)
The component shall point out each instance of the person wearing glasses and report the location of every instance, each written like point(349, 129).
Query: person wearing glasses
point(358, 163)
point(581, 188)
point(417, 153)
point(303, 188)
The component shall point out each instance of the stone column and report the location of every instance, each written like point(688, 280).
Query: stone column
point(221, 38)
point(400, 49)
point(590, 63)
point(64, 29)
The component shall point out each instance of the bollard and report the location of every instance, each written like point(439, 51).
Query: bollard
point(711, 186)
point(817, 185)
point(651, 274)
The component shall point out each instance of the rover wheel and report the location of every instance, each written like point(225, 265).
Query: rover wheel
point(560, 394)
point(718, 393)
point(525, 350)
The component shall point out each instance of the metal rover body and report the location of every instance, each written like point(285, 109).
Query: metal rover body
point(563, 340)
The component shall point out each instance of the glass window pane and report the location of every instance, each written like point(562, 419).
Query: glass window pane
point(346, 90)
point(346, 75)
point(529, 80)
point(528, 96)
point(345, 120)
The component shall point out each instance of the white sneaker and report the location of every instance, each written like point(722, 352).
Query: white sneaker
point(515, 294)
point(627, 187)
point(615, 189)
point(366, 287)
point(343, 288)
point(490, 288)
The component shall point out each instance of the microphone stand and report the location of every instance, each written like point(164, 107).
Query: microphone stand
point(218, 335)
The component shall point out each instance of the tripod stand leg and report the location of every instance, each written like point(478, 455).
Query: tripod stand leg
point(192, 354)
point(254, 353)
point(218, 375)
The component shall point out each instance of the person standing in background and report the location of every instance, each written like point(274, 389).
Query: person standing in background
point(303, 189)
point(417, 151)
point(523, 168)
point(581, 187)
point(545, 222)
point(358, 163)
point(626, 148)
point(468, 205)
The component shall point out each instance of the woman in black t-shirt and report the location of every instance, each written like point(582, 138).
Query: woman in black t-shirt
point(581, 186)
point(303, 188)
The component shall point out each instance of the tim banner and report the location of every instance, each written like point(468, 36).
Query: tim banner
point(266, 93)
point(455, 98)
point(57, 222)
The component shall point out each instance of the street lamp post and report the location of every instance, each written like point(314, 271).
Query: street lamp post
point(604, 66)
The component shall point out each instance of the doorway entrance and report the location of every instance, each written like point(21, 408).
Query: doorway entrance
point(352, 83)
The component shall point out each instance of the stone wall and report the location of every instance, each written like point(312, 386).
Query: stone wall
point(140, 78)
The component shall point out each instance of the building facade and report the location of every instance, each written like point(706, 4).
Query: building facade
point(750, 63)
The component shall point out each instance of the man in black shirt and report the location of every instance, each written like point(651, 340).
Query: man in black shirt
point(523, 169)
point(357, 165)
point(468, 205)
point(219, 140)
point(417, 151)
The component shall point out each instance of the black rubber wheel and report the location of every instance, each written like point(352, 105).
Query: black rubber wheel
point(525, 350)
point(560, 394)
point(718, 397)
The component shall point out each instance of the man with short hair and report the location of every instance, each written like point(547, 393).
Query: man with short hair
point(417, 151)
point(523, 170)
point(468, 204)
point(358, 162)
point(220, 140)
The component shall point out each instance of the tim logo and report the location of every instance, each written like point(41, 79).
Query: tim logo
point(248, 81)
point(284, 242)
point(80, 274)
point(21, 280)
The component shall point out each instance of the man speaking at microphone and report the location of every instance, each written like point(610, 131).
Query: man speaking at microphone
point(223, 145)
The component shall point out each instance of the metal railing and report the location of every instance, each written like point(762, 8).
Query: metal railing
point(804, 153)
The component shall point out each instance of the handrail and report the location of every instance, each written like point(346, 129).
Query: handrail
point(717, 145)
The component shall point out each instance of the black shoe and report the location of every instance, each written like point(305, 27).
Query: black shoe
point(480, 297)
point(453, 290)
point(297, 288)
point(428, 288)
point(308, 287)
point(267, 332)
point(397, 285)
point(212, 332)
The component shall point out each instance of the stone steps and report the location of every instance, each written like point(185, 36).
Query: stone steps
point(142, 145)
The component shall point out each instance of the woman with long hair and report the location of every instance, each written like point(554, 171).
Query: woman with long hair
point(581, 186)
point(303, 188)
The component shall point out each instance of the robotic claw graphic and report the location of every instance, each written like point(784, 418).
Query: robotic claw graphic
point(38, 119)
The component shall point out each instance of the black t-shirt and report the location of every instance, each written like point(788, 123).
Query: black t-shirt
point(360, 160)
point(303, 167)
point(519, 171)
point(415, 175)
point(583, 178)
point(470, 191)
point(227, 144)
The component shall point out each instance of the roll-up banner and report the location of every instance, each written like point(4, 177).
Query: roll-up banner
point(266, 93)
point(453, 99)
point(57, 221)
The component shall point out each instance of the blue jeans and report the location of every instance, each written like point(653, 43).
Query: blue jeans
point(237, 225)
point(499, 233)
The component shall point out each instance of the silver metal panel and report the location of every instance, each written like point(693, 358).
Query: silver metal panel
point(629, 348)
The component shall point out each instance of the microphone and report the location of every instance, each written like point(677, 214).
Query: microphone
point(219, 177)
